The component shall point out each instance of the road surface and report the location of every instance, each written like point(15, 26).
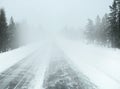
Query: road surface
point(61, 75)
point(29, 73)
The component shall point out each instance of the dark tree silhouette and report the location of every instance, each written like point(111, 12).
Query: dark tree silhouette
point(12, 34)
point(114, 19)
point(113, 24)
point(8, 33)
point(3, 31)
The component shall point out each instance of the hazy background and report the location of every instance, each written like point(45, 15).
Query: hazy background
point(55, 14)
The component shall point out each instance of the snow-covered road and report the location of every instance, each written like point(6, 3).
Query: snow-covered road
point(22, 74)
point(26, 73)
point(29, 73)
point(26, 68)
point(61, 75)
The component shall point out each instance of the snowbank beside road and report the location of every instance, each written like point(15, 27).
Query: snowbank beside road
point(8, 59)
point(100, 64)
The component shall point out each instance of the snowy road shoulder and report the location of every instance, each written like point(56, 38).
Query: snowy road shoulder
point(8, 59)
point(100, 64)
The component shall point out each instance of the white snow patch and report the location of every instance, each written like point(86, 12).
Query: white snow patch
point(8, 59)
point(100, 64)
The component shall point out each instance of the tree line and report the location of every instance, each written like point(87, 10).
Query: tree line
point(97, 31)
point(8, 33)
point(106, 30)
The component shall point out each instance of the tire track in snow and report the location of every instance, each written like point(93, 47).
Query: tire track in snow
point(60, 75)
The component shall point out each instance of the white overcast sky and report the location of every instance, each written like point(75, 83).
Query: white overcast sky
point(55, 14)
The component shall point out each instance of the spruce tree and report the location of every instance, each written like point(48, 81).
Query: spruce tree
point(105, 30)
point(113, 33)
point(90, 31)
point(98, 29)
point(118, 13)
point(11, 34)
point(3, 31)
point(118, 22)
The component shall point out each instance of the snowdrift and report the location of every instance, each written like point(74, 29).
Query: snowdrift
point(8, 59)
point(100, 64)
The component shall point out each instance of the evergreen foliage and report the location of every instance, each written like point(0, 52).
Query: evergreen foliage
point(8, 33)
point(107, 29)
point(98, 32)
point(3, 31)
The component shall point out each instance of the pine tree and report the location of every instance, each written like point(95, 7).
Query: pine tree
point(104, 30)
point(118, 22)
point(90, 31)
point(3, 30)
point(113, 33)
point(98, 21)
point(118, 13)
point(11, 34)
point(97, 29)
